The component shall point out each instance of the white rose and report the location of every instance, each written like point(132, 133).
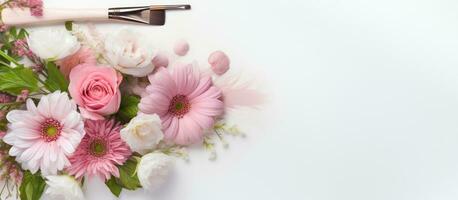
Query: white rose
point(130, 53)
point(153, 170)
point(52, 43)
point(143, 132)
point(62, 188)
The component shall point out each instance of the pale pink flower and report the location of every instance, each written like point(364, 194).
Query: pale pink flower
point(44, 135)
point(185, 100)
point(100, 151)
point(96, 90)
point(82, 56)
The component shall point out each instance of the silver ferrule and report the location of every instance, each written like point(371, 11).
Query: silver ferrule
point(143, 14)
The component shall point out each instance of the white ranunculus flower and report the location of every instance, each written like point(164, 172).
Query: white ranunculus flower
point(52, 43)
point(62, 187)
point(130, 52)
point(143, 132)
point(153, 170)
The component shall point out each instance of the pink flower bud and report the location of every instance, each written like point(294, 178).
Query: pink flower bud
point(219, 62)
point(160, 60)
point(23, 96)
point(181, 48)
point(2, 134)
point(36, 7)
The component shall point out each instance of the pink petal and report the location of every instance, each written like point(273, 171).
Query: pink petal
point(155, 103)
point(90, 115)
point(211, 93)
point(209, 107)
point(163, 79)
point(189, 132)
point(204, 121)
point(186, 79)
point(171, 132)
point(204, 83)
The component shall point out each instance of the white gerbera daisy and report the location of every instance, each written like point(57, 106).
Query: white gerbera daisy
point(43, 136)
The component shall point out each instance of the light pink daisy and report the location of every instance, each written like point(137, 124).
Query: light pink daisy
point(43, 136)
point(100, 151)
point(185, 100)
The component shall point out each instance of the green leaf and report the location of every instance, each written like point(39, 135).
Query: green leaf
point(69, 25)
point(13, 31)
point(128, 108)
point(14, 80)
point(7, 58)
point(32, 186)
point(128, 178)
point(22, 34)
point(127, 175)
point(55, 80)
point(114, 187)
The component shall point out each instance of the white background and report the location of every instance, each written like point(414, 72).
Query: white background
point(364, 99)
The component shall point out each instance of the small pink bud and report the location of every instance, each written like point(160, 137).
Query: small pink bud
point(2, 134)
point(34, 3)
point(36, 7)
point(181, 48)
point(219, 62)
point(23, 96)
point(3, 28)
point(160, 60)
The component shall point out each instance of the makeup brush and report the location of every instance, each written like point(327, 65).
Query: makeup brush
point(152, 15)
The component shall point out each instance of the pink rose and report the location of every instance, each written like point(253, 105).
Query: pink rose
point(96, 90)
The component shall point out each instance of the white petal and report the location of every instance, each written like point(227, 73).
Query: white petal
point(44, 107)
point(15, 115)
point(73, 119)
point(66, 146)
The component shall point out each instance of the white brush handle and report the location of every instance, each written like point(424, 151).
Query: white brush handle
point(21, 16)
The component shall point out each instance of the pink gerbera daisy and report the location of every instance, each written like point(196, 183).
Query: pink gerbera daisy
point(185, 100)
point(43, 136)
point(100, 151)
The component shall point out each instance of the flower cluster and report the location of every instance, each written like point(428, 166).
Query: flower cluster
point(120, 110)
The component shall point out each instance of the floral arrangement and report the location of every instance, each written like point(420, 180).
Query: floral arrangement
point(75, 105)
